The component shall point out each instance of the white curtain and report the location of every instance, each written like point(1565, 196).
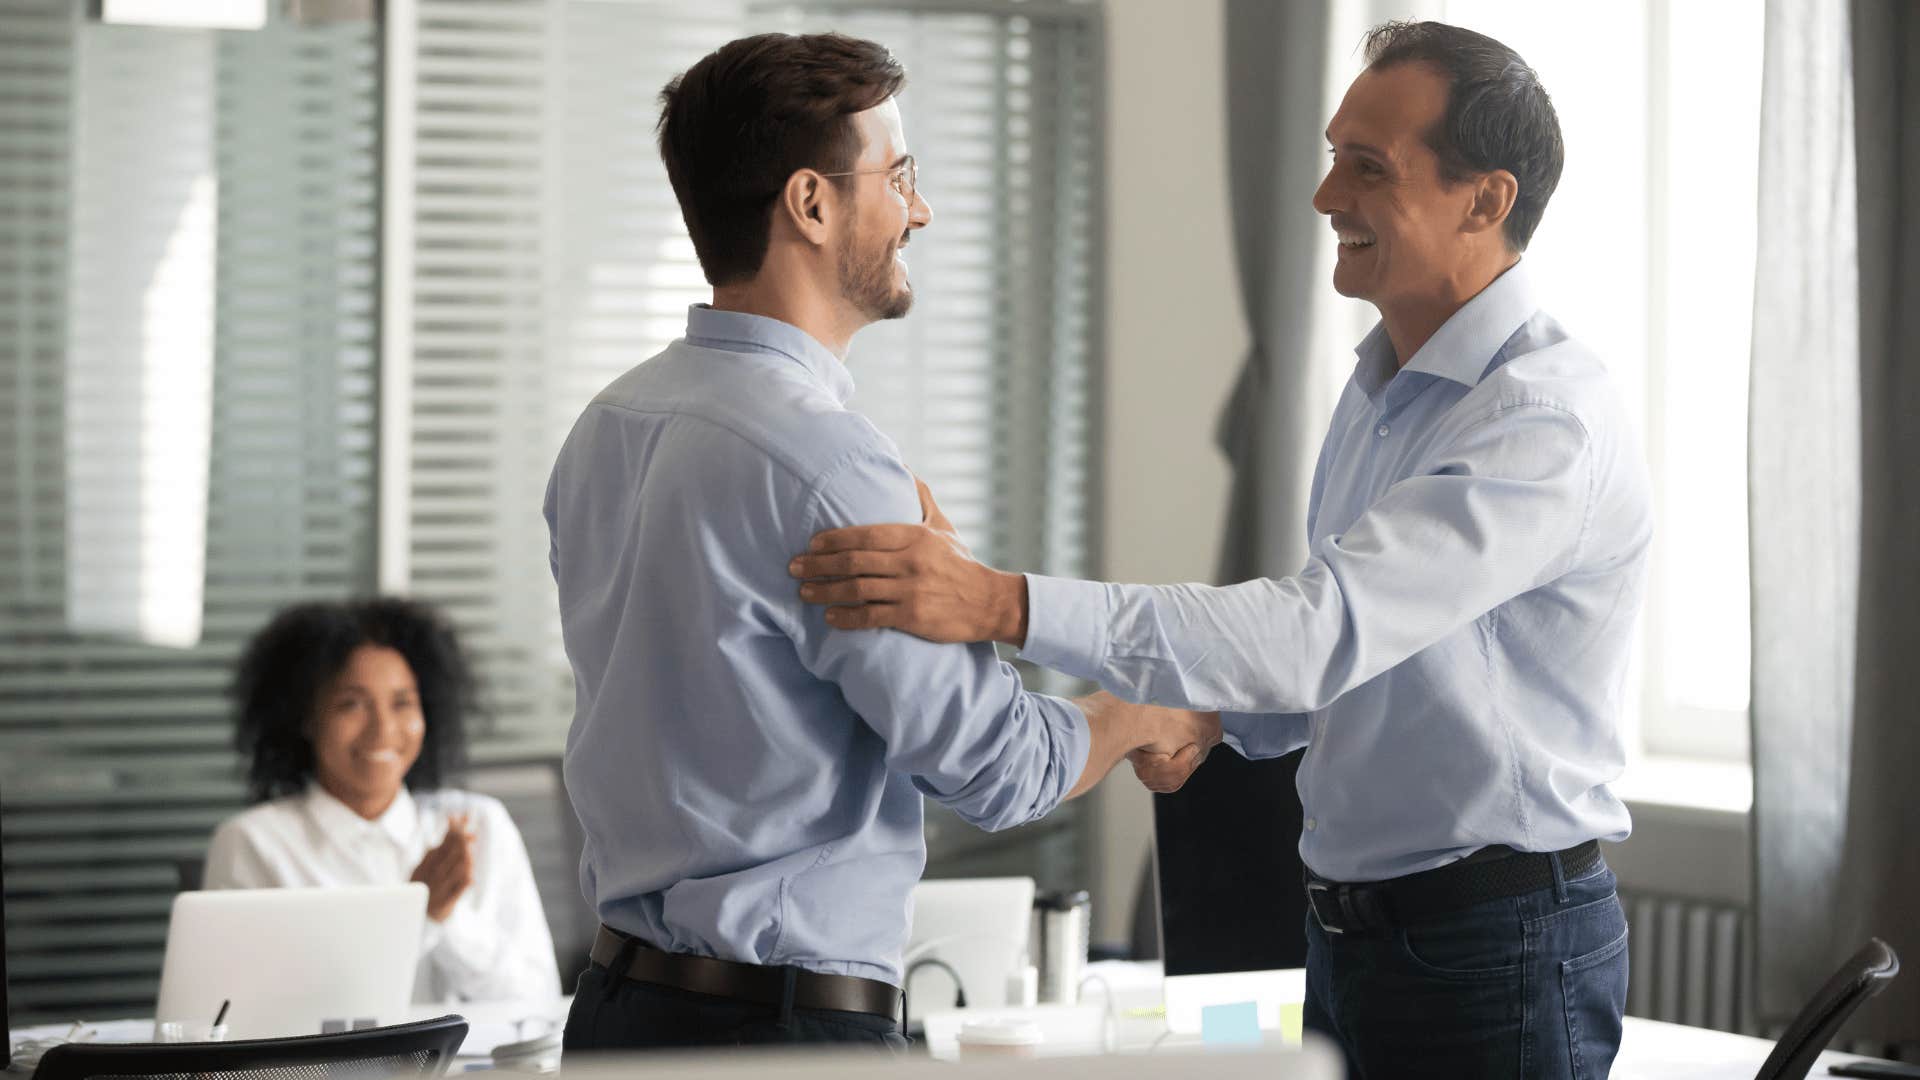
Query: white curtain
point(1881, 867)
point(1834, 739)
point(1276, 65)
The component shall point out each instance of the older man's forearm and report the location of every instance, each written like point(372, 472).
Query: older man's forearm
point(1118, 728)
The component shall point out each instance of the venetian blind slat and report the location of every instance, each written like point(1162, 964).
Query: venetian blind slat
point(115, 758)
point(550, 257)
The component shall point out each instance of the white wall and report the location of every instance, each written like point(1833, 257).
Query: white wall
point(1175, 339)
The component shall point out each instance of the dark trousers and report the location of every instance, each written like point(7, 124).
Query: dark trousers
point(1529, 986)
point(612, 1013)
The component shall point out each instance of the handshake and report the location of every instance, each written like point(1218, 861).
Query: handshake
point(1164, 745)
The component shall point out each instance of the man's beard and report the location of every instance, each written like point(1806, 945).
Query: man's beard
point(867, 282)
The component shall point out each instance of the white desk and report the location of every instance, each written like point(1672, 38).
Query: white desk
point(1649, 1050)
point(491, 1023)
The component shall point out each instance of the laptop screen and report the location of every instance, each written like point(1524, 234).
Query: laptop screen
point(1228, 851)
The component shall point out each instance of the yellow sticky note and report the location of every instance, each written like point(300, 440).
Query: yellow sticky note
point(1291, 1022)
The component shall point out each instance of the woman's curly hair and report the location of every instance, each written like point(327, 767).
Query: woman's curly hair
point(277, 687)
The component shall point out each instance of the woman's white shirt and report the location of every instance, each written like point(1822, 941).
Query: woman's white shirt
point(494, 945)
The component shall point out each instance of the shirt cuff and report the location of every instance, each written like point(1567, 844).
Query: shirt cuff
point(461, 943)
point(1066, 626)
point(1075, 742)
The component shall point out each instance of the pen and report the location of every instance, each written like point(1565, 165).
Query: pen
point(222, 1014)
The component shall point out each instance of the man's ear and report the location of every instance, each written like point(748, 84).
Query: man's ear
point(808, 203)
point(1493, 196)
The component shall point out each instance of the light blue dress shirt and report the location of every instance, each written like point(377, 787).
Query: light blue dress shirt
point(1454, 652)
point(748, 778)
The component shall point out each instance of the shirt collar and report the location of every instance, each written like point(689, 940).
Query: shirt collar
point(1465, 345)
point(400, 821)
point(737, 331)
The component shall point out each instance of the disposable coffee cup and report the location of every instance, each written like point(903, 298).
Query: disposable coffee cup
point(999, 1039)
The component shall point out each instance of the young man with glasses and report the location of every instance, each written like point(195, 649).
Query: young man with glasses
point(748, 778)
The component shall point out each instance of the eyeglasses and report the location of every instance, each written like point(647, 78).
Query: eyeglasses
point(905, 177)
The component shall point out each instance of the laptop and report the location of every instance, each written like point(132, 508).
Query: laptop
point(292, 961)
point(978, 927)
point(1229, 945)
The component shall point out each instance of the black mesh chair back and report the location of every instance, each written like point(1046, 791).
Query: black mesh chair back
point(1865, 974)
point(417, 1051)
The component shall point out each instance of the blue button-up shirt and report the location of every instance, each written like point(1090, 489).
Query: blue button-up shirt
point(749, 779)
point(1454, 653)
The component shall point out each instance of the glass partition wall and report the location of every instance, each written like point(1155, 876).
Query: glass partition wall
point(187, 330)
point(301, 306)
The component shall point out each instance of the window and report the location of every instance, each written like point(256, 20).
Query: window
point(539, 253)
point(242, 280)
point(1646, 253)
point(549, 257)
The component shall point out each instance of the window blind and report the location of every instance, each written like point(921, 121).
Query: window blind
point(547, 256)
point(115, 757)
point(988, 386)
point(550, 257)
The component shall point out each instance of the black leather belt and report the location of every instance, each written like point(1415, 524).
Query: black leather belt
point(1488, 874)
point(756, 983)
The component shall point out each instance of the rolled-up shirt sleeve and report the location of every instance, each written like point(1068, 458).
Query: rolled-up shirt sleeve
point(495, 944)
point(1264, 735)
point(1503, 510)
point(954, 717)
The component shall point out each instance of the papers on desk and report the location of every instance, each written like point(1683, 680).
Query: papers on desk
point(484, 1035)
point(30, 1043)
point(489, 1024)
point(497, 1023)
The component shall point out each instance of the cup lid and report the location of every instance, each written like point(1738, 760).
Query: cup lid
point(1063, 901)
point(1001, 1033)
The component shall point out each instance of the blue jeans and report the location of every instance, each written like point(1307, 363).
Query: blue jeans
point(1529, 986)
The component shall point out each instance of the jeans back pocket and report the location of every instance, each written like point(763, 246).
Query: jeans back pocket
point(1594, 989)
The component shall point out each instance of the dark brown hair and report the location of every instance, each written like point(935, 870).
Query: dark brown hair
point(1498, 115)
point(735, 126)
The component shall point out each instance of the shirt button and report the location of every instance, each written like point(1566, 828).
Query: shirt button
point(1381, 430)
point(1312, 824)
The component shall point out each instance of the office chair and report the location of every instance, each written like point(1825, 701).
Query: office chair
point(1865, 974)
point(416, 1051)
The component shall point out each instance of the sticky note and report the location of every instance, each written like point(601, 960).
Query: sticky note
point(1237, 1024)
point(1292, 1019)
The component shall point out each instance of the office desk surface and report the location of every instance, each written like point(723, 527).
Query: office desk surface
point(492, 1023)
point(1650, 1050)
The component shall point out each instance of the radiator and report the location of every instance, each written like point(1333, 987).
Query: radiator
point(1691, 962)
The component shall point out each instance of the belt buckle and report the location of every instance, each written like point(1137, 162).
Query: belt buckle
point(1313, 901)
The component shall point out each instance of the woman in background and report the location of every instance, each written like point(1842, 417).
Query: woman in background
point(350, 717)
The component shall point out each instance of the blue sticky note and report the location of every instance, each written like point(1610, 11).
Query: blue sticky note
point(1237, 1024)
